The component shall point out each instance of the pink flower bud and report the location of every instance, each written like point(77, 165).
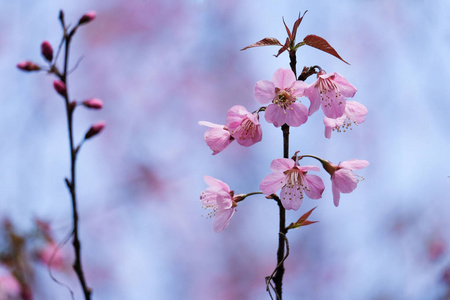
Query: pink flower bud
point(87, 17)
point(28, 66)
point(47, 50)
point(93, 103)
point(60, 87)
point(94, 130)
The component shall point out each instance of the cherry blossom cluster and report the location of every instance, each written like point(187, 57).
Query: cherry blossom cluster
point(283, 95)
point(288, 101)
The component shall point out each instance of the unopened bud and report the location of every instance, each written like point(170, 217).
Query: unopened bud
point(93, 103)
point(94, 130)
point(60, 87)
point(87, 17)
point(47, 50)
point(28, 66)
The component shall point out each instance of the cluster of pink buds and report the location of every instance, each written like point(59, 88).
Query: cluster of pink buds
point(60, 83)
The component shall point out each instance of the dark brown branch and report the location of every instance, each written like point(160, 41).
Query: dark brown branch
point(77, 266)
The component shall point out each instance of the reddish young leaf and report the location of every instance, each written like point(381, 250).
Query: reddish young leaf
point(303, 220)
point(264, 42)
point(284, 48)
point(288, 31)
point(296, 24)
point(321, 44)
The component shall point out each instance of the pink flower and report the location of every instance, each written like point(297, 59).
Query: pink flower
point(282, 91)
point(329, 91)
point(218, 137)
point(243, 126)
point(9, 287)
point(354, 113)
point(219, 198)
point(293, 181)
point(51, 255)
point(343, 180)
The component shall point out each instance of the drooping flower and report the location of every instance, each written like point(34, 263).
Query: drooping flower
point(218, 137)
point(343, 180)
point(293, 181)
point(282, 91)
point(219, 198)
point(243, 126)
point(354, 113)
point(330, 92)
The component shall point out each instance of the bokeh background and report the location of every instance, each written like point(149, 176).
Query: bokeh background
point(162, 66)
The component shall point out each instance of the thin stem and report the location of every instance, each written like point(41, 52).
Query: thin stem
point(77, 266)
point(278, 278)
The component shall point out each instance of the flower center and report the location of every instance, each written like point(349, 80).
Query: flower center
point(327, 88)
point(294, 185)
point(284, 98)
point(246, 130)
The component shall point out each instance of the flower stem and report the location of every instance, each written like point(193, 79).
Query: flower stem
point(77, 266)
point(278, 278)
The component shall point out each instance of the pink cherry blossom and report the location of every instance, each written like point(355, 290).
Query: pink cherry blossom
point(293, 180)
point(282, 91)
point(52, 256)
point(243, 126)
point(219, 198)
point(9, 287)
point(354, 113)
point(218, 137)
point(343, 180)
point(329, 91)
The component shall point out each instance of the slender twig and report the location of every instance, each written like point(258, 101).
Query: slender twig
point(77, 266)
point(269, 278)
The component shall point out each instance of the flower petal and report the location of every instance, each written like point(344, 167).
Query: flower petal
point(355, 111)
point(315, 186)
point(264, 91)
point(354, 164)
point(309, 168)
point(291, 197)
point(298, 87)
point(282, 164)
point(333, 105)
point(275, 114)
point(336, 194)
point(283, 78)
point(213, 182)
point(345, 180)
point(272, 183)
point(222, 219)
point(297, 115)
point(313, 94)
point(345, 87)
point(217, 139)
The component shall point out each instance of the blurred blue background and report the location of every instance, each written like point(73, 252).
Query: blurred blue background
point(162, 66)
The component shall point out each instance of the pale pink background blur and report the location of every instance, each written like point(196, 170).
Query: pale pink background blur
point(160, 67)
